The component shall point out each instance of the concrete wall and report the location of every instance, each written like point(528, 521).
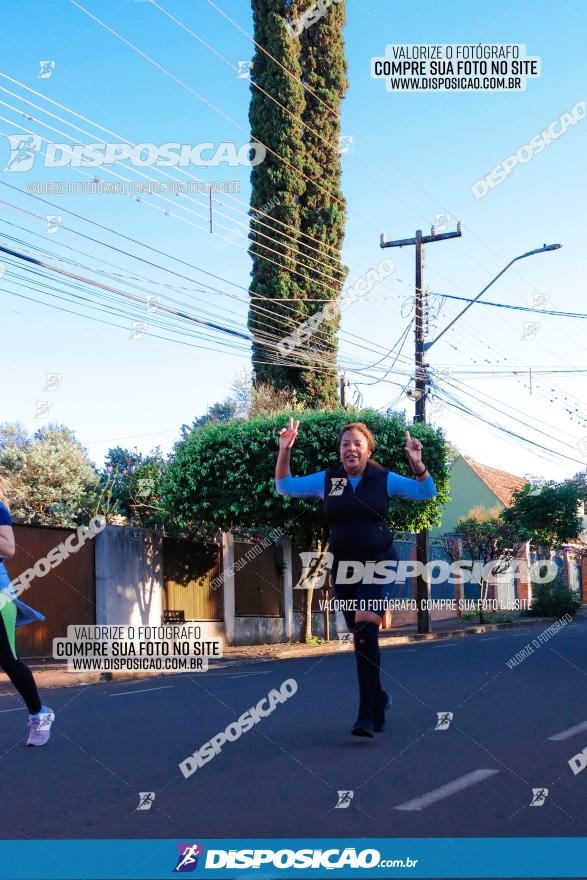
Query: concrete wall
point(258, 631)
point(129, 576)
point(337, 624)
point(273, 630)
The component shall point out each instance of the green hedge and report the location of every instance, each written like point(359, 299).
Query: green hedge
point(222, 475)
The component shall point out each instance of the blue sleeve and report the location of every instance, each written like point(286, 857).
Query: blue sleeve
point(413, 490)
point(310, 486)
point(5, 518)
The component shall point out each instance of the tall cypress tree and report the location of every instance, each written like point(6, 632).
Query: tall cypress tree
point(322, 203)
point(276, 190)
point(317, 58)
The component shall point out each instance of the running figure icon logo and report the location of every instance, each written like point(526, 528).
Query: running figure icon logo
point(337, 485)
point(189, 854)
point(244, 69)
point(146, 799)
point(23, 150)
point(313, 573)
point(47, 68)
point(344, 799)
point(444, 719)
point(539, 795)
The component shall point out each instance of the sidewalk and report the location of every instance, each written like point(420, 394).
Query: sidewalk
point(52, 674)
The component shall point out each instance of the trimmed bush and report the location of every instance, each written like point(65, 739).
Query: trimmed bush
point(553, 600)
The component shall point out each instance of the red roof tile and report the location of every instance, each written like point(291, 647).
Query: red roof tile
point(500, 483)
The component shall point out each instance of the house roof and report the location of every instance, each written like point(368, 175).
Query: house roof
point(500, 483)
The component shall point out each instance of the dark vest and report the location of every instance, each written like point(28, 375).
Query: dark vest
point(358, 518)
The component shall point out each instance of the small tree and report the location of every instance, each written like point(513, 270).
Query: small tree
point(129, 487)
point(222, 411)
point(223, 475)
point(486, 541)
point(545, 515)
point(580, 480)
point(51, 476)
point(255, 398)
point(452, 453)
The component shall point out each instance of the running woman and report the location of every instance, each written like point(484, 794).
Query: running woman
point(356, 502)
point(40, 717)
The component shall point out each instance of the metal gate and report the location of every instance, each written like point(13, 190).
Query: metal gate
point(189, 568)
point(258, 582)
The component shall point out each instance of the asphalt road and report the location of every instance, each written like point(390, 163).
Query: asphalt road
point(282, 778)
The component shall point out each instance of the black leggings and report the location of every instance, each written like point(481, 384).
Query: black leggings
point(18, 673)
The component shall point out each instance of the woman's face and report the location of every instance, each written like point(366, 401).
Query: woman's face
point(354, 451)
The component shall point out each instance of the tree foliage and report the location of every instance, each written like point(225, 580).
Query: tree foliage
point(51, 478)
point(580, 480)
point(483, 538)
point(222, 476)
point(276, 189)
point(302, 192)
point(130, 486)
point(322, 203)
point(452, 453)
point(222, 411)
point(546, 515)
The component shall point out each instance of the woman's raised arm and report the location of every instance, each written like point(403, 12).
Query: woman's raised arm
point(287, 438)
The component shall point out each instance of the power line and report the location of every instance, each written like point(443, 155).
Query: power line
point(541, 311)
point(519, 437)
point(507, 414)
point(369, 345)
point(257, 211)
point(371, 145)
point(34, 261)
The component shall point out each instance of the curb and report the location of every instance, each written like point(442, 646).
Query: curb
point(61, 679)
point(390, 641)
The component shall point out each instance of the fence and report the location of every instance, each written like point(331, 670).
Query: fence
point(129, 575)
point(258, 580)
point(67, 594)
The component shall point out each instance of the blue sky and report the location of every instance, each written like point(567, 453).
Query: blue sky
point(413, 155)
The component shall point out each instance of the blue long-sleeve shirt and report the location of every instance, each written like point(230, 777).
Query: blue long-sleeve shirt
point(312, 486)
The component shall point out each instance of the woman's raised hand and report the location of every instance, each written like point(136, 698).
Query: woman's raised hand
point(287, 436)
point(413, 450)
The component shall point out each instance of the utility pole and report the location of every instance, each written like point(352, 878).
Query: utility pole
point(343, 390)
point(420, 391)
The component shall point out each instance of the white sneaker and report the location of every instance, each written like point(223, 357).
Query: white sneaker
point(40, 727)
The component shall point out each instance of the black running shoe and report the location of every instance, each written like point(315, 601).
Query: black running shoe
point(382, 704)
point(363, 727)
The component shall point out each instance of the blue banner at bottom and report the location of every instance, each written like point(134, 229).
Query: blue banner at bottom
point(274, 859)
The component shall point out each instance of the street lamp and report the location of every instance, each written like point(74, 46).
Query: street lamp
point(542, 250)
